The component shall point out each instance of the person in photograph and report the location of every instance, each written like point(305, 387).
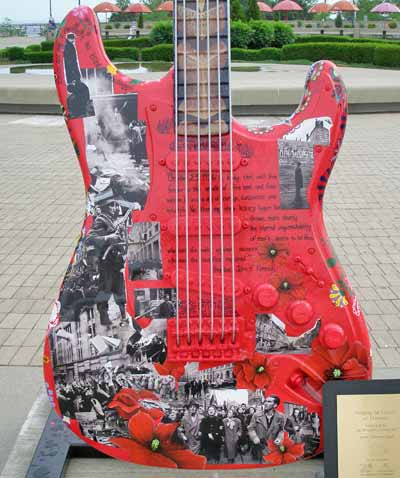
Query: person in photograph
point(294, 425)
point(166, 308)
point(299, 184)
point(186, 389)
point(212, 433)
point(137, 144)
point(232, 434)
point(266, 424)
point(79, 96)
point(106, 245)
point(191, 422)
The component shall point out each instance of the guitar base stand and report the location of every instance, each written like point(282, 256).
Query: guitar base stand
point(56, 446)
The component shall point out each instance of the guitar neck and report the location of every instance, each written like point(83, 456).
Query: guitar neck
point(202, 67)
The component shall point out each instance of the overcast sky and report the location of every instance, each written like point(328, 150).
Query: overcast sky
point(38, 10)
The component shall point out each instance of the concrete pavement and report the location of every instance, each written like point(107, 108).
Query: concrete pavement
point(275, 89)
point(42, 206)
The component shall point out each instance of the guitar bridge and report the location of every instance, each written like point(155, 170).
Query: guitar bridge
point(220, 341)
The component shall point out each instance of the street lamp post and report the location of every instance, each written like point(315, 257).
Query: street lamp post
point(51, 10)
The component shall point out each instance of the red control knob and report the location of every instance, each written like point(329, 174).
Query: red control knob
point(296, 379)
point(266, 296)
point(300, 312)
point(333, 336)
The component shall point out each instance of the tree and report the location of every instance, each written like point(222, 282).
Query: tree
point(122, 17)
point(237, 11)
point(253, 12)
point(140, 21)
point(338, 21)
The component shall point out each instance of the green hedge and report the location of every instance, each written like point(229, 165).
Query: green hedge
point(263, 34)
point(158, 53)
point(241, 54)
point(141, 42)
point(387, 55)
point(15, 53)
point(162, 33)
point(39, 56)
point(346, 52)
point(241, 34)
point(341, 39)
point(47, 45)
point(131, 53)
point(283, 35)
point(33, 48)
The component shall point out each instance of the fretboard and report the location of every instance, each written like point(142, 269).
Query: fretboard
point(202, 67)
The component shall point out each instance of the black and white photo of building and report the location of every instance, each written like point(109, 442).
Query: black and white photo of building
point(271, 336)
point(144, 251)
point(296, 160)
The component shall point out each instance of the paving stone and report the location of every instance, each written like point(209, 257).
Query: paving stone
point(10, 321)
point(23, 356)
point(392, 321)
point(391, 357)
point(4, 334)
point(6, 354)
point(384, 339)
point(17, 337)
point(34, 338)
point(28, 321)
point(376, 322)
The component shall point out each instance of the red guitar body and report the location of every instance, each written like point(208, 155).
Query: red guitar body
point(131, 364)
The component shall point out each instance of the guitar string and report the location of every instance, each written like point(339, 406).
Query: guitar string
point(221, 202)
point(210, 178)
point(187, 298)
point(199, 175)
point(176, 77)
point(232, 198)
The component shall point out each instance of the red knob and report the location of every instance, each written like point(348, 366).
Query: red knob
point(300, 312)
point(266, 296)
point(333, 336)
point(296, 379)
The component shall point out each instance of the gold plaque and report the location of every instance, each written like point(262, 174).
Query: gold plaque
point(368, 436)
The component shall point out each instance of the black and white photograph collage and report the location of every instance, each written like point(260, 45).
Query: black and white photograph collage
point(296, 160)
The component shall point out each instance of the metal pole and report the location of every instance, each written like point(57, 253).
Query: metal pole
point(51, 10)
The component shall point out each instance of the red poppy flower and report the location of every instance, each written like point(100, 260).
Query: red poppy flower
point(275, 254)
point(285, 452)
point(153, 445)
point(176, 369)
point(252, 374)
point(290, 286)
point(345, 363)
point(128, 402)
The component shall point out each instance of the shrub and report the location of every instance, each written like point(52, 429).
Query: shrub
point(241, 34)
point(371, 26)
point(253, 11)
point(39, 56)
point(3, 53)
point(162, 33)
point(141, 42)
point(140, 23)
point(47, 45)
point(158, 53)
point(308, 25)
point(126, 26)
point(387, 55)
point(15, 53)
point(108, 26)
point(283, 34)
point(392, 24)
point(346, 52)
point(262, 34)
point(347, 25)
point(338, 21)
point(33, 48)
point(117, 25)
point(299, 23)
point(322, 38)
point(131, 53)
point(237, 11)
point(241, 54)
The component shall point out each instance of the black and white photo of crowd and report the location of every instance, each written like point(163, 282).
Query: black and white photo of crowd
point(144, 252)
point(82, 84)
point(271, 336)
point(296, 160)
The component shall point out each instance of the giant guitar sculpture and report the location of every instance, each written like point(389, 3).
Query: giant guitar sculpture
point(203, 308)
